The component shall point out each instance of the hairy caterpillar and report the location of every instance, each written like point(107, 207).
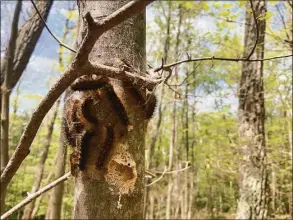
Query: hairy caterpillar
point(106, 147)
point(84, 120)
point(148, 104)
point(84, 149)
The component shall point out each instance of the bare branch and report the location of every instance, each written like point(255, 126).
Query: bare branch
point(62, 44)
point(157, 180)
point(118, 73)
point(218, 58)
point(150, 173)
point(187, 166)
point(35, 195)
point(121, 14)
point(33, 125)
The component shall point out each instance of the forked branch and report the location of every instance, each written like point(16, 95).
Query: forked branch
point(168, 66)
point(48, 29)
point(80, 66)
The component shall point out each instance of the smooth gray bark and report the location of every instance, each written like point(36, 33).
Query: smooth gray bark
point(97, 198)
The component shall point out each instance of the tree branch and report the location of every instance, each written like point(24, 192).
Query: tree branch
point(79, 67)
point(157, 180)
point(187, 166)
point(48, 29)
point(167, 66)
point(35, 195)
point(118, 73)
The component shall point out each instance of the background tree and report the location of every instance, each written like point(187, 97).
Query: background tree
point(21, 45)
point(254, 188)
point(5, 96)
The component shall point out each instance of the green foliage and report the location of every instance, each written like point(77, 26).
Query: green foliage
point(213, 133)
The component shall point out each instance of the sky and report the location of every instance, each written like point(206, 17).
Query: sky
point(40, 72)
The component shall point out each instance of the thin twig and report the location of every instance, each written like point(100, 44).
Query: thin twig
point(157, 180)
point(35, 195)
point(218, 58)
point(150, 173)
point(187, 166)
point(62, 44)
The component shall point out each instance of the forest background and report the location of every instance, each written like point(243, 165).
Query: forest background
point(200, 122)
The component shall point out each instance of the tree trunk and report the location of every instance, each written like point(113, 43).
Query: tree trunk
point(253, 201)
point(24, 43)
point(15, 108)
point(27, 38)
point(156, 133)
point(56, 196)
point(40, 171)
point(5, 93)
point(110, 178)
point(55, 201)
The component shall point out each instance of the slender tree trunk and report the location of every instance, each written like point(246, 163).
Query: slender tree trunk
point(253, 201)
point(5, 93)
point(40, 171)
point(273, 190)
point(39, 199)
point(191, 195)
point(15, 109)
point(55, 202)
point(115, 191)
point(174, 139)
point(157, 132)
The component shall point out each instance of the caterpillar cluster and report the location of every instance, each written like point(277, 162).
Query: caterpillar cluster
point(94, 108)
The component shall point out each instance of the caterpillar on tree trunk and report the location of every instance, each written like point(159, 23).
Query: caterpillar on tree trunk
point(95, 110)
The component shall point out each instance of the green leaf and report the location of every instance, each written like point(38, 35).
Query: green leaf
point(228, 5)
point(273, 2)
point(267, 16)
point(241, 4)
point(217, 5)
point(188, 5)
point(205, 6)
point(224, 13)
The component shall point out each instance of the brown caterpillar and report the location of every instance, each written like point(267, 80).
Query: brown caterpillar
point(147, 104)
point(82, 125)
point(106, 147)
point(117, 105)
point(84, 149)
